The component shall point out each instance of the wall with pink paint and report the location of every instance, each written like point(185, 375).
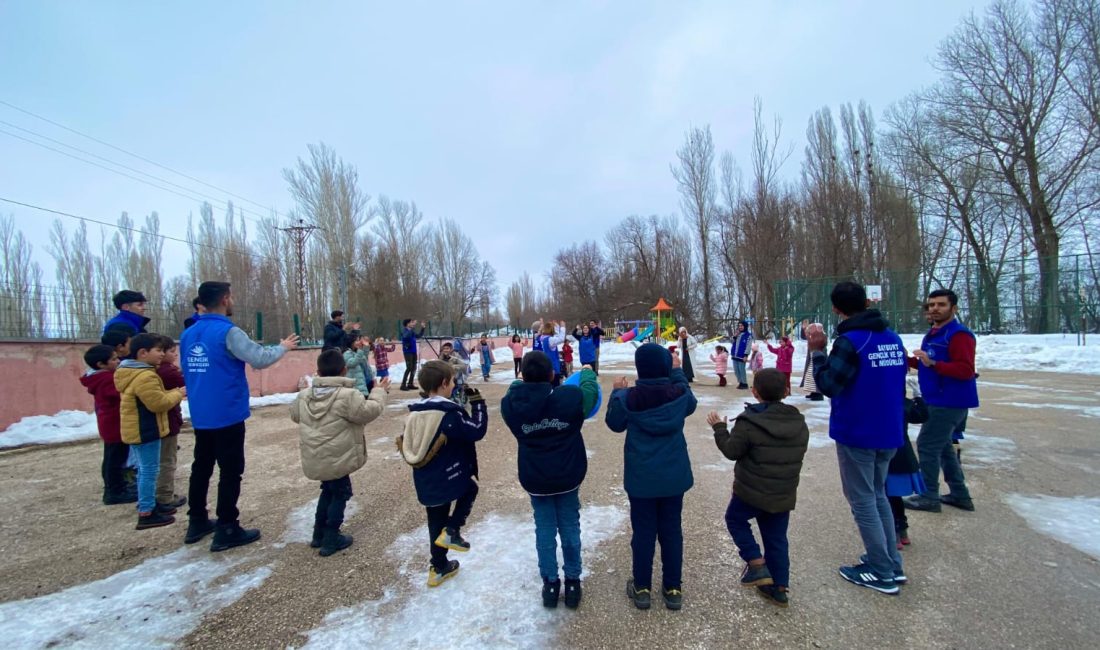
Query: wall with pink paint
point(43, 377)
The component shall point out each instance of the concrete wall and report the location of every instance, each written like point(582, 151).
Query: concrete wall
point(42, 377)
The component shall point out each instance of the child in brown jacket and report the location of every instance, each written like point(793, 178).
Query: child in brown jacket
point(331, 415)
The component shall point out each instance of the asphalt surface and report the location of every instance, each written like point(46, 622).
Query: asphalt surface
point(977, 580)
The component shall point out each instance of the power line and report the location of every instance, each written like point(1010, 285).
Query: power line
point(138, 156)
point(200, 196)
point(138, 230)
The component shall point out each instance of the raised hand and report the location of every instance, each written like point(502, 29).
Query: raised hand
point(713, 418)
point(290, 342)
point(621, 382)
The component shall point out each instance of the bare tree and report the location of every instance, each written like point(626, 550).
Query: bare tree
point(22, 308)
point(461, 281)
point(695, 177)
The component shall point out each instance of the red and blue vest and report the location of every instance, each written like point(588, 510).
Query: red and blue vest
point(937, 389)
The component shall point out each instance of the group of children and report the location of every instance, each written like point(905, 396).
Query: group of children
point(137, 389)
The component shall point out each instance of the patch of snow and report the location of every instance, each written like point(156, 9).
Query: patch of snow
point(494, 601)
point(986, 451)
point(1082, 410)
point(152, 605)
point(64, 426)
point(1071, 520)
point(717, 467)
point(402, 403)
point(299, 523)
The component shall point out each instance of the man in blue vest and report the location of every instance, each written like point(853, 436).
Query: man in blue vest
point(410, 349)
point(213, 352)
point(865, 377)
point(948, 383)
point(131, 313)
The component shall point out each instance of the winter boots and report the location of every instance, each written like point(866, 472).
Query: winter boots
point(227, 536)
point(332, 541)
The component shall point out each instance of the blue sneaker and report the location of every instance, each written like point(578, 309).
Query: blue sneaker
point(899, 575)
point(862, 575)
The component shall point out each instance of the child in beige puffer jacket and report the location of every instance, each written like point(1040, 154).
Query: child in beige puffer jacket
point(331, 415)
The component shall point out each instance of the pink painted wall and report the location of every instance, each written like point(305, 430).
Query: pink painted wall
point(42, 377)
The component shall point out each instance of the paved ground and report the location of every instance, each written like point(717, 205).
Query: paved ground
point(979, 580)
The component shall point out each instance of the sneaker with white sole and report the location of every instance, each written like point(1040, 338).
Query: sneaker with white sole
point(862, 575)
point(899, 575)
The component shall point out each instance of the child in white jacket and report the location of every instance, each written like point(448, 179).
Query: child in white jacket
point(331, 415)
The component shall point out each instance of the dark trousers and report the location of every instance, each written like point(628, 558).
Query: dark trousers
point(773, 533)
point(330, 506)
point(518, 362)
point(901, 522)
point(935, 451)
point(654, 520)
point(114, 462)
point(721, 380)
point(442, 516)
point(224, 446)
point(409, 378)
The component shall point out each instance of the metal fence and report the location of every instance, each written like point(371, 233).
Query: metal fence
point(1008, 302)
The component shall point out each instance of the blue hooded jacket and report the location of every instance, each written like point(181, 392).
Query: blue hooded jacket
point(742, 344)
point(655, 455)
point(129, 320)
point(446, 476)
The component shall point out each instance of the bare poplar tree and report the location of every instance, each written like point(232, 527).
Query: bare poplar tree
point(22, 308)
point(695, 177)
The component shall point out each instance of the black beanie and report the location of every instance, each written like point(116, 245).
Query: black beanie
point(653, 361)
point(536, 367)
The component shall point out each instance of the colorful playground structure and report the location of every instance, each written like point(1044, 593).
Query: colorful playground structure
point(661, 320)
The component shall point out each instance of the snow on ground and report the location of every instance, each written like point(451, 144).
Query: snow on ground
point(1070, 520)
point(984, 451)
point(494, 601)
point(299, 523)
point(1081, 409)
point(43, 429)
point(152, 605)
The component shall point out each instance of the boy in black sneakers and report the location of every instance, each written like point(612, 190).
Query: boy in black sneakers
point(438, 442)
point(768, 442)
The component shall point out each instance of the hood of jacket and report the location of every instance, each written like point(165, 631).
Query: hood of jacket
point(96, 380)
point(322, 396)
point(128, 371)
point(782, 421)
point(871, 319)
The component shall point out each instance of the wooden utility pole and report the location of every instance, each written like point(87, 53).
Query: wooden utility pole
point(299, 234)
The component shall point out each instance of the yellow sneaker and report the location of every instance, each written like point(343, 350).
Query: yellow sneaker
point(436, 579)
point(450, 539)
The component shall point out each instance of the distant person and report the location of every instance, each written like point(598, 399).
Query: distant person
point(99, 380)
point(551, 336)
point(485, 356)
point(410, 349)
point(171, 376)
point(131, 312)
point(948, 381)
point(784, 356)
point(439, 444)
point(656, 468)
point(331, 414)
point(808, 384)
point(566, 358)
point(741, 352)
point(596, 333)
point(356, 362)
point(516, 346)
point(143, 416)
point(546, 422)
point(335, 334)
point(865, 377)
point(721, 359)
point(382, 350)
point(588, 348)
point(768, 442)
point(687, 345)
point(199, 311)
point(215, 352)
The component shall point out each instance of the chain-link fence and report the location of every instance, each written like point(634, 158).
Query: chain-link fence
point(1007, 299)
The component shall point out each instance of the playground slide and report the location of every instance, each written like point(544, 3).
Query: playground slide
point(628, 336)
point(670, 333)
point(645, 333)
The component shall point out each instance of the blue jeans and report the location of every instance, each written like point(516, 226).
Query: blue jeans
point(773, 532)
point(863, 478)
point(935, 451)
point(739, 372)
point(148, 459)
point(653, 520)
point(485, 368)
point(556, 515)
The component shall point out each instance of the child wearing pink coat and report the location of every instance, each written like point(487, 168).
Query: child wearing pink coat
point(785, 354)
point(721, 360)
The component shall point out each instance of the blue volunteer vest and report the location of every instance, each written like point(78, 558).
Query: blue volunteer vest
point(537, 343)
point(217, 389)
point(587, 350)
point(937, 389)
point(869, 413)
point(550, 351)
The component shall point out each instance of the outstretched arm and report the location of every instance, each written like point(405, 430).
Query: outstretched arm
point(251, 352)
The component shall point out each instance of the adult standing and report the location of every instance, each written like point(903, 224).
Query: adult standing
point(948, 383)
point(409, 348)
point(335, 336)
point(199, 308)
point(596, 332)
point(687, 344)
point(214, 352)
point(865, 377)
point(588, 341)
point(131, 313)
point(742, 348)
point(807, 384)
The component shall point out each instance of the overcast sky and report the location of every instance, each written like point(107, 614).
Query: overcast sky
point(532, 124)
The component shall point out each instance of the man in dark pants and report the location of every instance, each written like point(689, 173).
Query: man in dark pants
point(865, 377)
point(213, 355)
point(409, 349)
point(948, 382)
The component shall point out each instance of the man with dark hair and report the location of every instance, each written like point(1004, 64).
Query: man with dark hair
point(335, 335)
point(213, 355)
point(199, 308)
point(948, 383)
point(865, 377)
point(409, 349)
point(131, 312)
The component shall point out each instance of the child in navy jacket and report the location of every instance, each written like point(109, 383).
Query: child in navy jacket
point(438, 442)
point(657, 470)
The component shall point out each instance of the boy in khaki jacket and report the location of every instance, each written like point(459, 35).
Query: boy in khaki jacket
point(331, 415)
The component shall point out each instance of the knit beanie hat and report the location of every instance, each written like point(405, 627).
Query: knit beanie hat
point(653, 361)
point(536, 367)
